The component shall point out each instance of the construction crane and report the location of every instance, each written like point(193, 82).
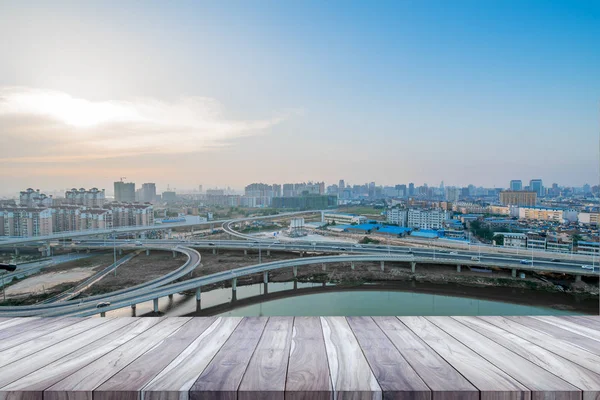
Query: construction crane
point(123, 178)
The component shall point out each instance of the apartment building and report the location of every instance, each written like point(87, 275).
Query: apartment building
point(518, 198)
point(547, 214)
point(88, 198)
point(397, 216)
point(124, 192)
point(589, 218)
point(426, 219)
point(34, 198)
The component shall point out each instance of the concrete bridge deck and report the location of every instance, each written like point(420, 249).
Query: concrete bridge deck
point(300, 358)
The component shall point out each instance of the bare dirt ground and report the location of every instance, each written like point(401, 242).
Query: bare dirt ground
point(138, 270)
point(41, 284)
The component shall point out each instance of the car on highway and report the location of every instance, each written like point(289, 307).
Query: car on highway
point(103, 304)
point(475, 258)
point(357, 245)
point(138, 243)
point(211, 244)
point(587, 267)
point(277, 242)
point(525, 262)
point(556, 260)
point(343, 248)
point(453, 253)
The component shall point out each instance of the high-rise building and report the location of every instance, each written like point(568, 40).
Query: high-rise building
point(536, 185)
point(342, 185)
point(200, 188)
point(518, 198)
point(89, 198)
point(411, 189)
point(516, 185)
point(125, 192)
point(148, 194)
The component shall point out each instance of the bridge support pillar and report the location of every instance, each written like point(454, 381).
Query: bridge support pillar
point(16, 251)
point(133, 310)
point(458, 268)
point(514, 272)
point(120, 251)
point(577, 278)
point(245, 252)
point(147, 252)
point(295, 271)
point(198, 294)
point(214, 251)
point(171, 296)
point(324, 267)
point(413, 266)
point(352, 265)
point(382, 266)
point(295, 285)
point(155, 301)
point(266, 281)
point(268, 252)
point(102, 314)
point(234, 289)
point(174, 254)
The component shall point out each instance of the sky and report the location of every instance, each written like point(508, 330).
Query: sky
point(226, 93)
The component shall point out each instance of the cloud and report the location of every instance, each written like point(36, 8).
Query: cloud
point(51, 126)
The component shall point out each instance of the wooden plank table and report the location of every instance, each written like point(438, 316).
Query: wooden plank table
point(417, 358)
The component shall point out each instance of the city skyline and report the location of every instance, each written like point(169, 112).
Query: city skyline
point(274, 92)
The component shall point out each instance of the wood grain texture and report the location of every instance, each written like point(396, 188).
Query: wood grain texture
point(22, 333)
point(128, 383)
point(573, 373)
point(222, 377)
point(8, 322)
point(79, 385)
point(492, 382)
point(308, 370)
point(397, 379)
point(50, 339)
point(177, 378)
point(445, 382)
point(351, 375)
point(562, 348)
point(44, 368)
point(589, 323)
point(539, 381)
point(592, 333)
point(556, 332)
point(266, 373)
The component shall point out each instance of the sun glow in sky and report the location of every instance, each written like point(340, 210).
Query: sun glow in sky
point(229, 93)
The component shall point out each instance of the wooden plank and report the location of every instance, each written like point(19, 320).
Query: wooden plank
point(445, 382)
point(492, 382)
point(175, 381)
point(571, 326)
point(221, 378)
point(80, 384)
point(33, 346)
point(44, 368)
point(351, 375)
point(308, 370)
point(266, 372)
point(592, 324)
point(8, 322)
point(581, 377)
point(127, 383)
point(18, 334)
point(556, 332)
point(539, 381)
point(560, 347)
point(397, 379)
